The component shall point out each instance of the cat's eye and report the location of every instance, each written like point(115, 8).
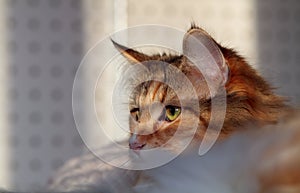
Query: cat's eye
point(171, 113)
point(135, 113)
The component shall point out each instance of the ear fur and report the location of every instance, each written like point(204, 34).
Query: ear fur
point(202, 49)
point(131, 55)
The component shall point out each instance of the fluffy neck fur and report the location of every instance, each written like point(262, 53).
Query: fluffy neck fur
point(250, 99)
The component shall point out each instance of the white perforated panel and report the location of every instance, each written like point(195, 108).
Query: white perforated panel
point(44, 47)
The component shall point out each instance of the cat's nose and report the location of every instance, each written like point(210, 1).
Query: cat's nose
point(135, 143)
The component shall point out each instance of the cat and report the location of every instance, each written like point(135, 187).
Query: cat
point(265, 160)
point(258, 147)
point(250, 99)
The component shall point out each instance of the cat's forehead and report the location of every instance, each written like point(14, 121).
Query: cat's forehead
point(172, 59)
point(150, 92)
point(163, 66)
point(164, 74)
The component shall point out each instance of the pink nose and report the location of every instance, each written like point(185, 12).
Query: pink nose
point(135, 143)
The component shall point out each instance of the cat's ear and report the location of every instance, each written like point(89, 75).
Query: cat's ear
point(131, 55)
point(200, 47)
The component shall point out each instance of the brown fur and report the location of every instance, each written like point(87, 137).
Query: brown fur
point(250, 99)
point(261, 159)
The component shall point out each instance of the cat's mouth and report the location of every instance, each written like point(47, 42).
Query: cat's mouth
point(135, 143)
point(136, 146)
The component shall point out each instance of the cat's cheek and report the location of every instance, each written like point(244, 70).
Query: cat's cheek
point(160, 138)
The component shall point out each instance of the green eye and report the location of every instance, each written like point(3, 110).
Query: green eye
point(172, 113)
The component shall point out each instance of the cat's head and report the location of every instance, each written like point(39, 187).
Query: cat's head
point(155, 107)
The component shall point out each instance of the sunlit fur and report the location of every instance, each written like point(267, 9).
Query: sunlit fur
point(250, 99)
point(263, 159)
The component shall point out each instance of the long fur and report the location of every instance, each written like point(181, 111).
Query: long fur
point(265, 160)
point(247, 161)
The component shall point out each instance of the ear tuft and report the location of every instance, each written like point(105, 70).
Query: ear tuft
point(131, 55)
point(194, 26)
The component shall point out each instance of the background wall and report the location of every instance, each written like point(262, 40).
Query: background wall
point(44, 46)
point(278, 45)
point(43, 42)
